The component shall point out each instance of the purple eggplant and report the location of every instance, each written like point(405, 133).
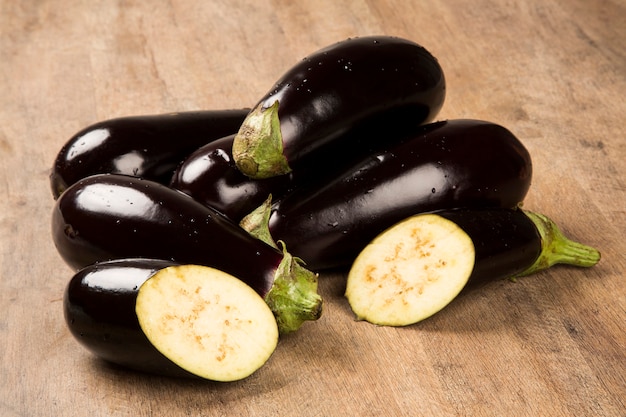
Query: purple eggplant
point(99, 309)
point(417, 266)
point(153, 316)
point(109, 216)
point(148, 146)
point(444, 165)
point(376, 81)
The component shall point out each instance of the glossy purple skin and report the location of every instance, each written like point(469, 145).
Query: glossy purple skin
point(106, 217)
point(445, 165)
point(506, 241)
point(211, 177)
point(359, 81)
point(99, 309)
point(148, 146)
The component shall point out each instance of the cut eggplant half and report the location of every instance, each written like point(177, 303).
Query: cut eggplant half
point(207, 322)
point(418, 266)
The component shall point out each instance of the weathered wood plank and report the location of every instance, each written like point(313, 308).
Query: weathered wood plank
point(551, 71)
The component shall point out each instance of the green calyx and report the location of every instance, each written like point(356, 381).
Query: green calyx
point(293, 297)
point(257, 222)
point(258, 146)
point(558, 249)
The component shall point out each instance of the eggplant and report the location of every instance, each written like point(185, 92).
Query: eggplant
point(443, 165)
point(123, 312)
point(109, 216)
point(418, 266)
point(362, 82)
point(99, 309)
point(149, 146)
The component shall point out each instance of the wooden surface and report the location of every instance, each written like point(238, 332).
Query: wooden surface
point(551, 71)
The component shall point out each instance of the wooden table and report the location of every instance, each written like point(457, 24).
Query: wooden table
point(551, 71)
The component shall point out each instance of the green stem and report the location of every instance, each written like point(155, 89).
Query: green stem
point(293, 297)
point(258, 146)
point(257, 222)
point(558, 249)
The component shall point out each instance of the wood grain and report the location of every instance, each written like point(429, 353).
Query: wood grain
point(552, 71)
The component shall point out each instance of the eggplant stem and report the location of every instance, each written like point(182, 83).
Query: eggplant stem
point(293, 297)
point(257, 222)
point(556, 248)
point(258, 146)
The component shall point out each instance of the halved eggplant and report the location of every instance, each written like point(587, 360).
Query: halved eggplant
point(175, 320)
point(418, 266)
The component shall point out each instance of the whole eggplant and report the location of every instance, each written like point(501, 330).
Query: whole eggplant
point(99, 309)
point(149, 146)
point(109, 216)
point(369, 81)
point(443, 165)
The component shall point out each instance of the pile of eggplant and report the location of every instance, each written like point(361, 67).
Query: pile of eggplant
point(339, 166)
